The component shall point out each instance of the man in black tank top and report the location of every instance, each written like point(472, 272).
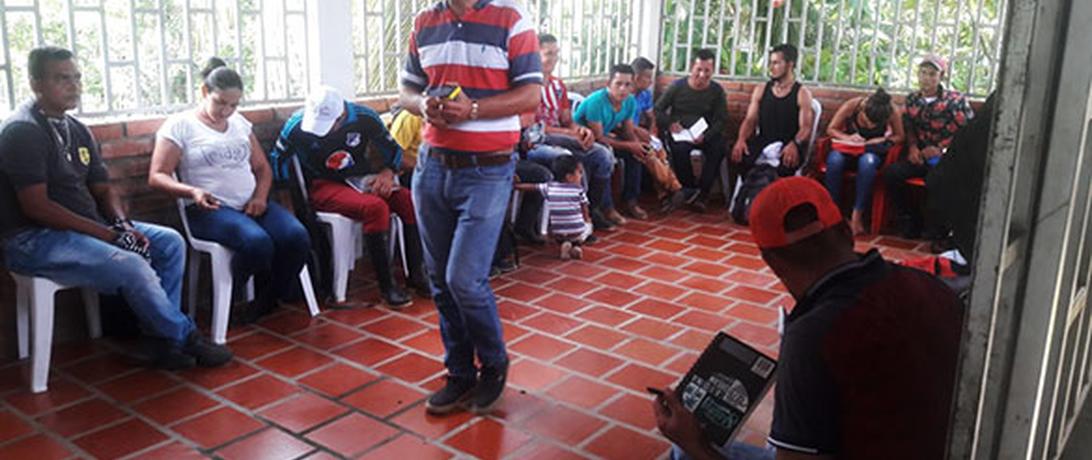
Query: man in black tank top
point(781, 111)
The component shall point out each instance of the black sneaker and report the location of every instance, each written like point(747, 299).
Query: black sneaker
point(419, 283)
point(505, 265)
point(689, 195)
point(167, 355)
point(451, 397)
point(489, 390)
point(529, 237)
point(206, 353)
point(698, 204)
point(258, 309)
point(673, 201)
point(396, 298)
point(600, 222)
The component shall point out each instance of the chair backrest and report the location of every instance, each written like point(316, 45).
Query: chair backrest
point(817, 112)
point(181, 202)
point(297, 172)
point(575, 99)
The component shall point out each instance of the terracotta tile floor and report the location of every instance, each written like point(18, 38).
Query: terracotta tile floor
point(585, 337)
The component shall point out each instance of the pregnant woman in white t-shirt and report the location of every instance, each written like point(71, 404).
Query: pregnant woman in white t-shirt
point(226, 178)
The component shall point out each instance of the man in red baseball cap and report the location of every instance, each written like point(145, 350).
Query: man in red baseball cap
point(869, 351)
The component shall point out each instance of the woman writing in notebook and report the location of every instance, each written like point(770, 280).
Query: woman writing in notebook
point(863, 129)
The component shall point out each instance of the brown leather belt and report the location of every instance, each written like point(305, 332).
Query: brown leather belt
point(459, 160)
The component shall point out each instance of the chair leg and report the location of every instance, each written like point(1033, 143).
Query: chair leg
point(398, 236)
point(517, 200)
point(221, 297)
point(725, 182)
point(879, 207)
point(308, 291)
point(342, 250)
point(193, 265)
point(41, 319)
point(22, 318)
point(91, 308)
point(544, 220)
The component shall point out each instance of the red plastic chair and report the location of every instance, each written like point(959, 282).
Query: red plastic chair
point(879, 197)
point(879, 205)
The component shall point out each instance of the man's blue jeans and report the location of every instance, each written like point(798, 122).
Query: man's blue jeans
point(736, 451)
point(867, 165)
point(153, 290)
point(459, 214)
point(274, 243)
point(598, 161)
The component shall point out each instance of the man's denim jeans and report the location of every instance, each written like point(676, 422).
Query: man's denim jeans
point(152, 290)
point(460, 213)
point(598, 161)
point(736, 451)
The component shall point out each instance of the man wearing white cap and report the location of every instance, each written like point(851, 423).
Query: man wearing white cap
point(349, 160)
point(933, 116)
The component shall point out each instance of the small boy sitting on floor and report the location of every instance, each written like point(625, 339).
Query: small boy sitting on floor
point(570, 220)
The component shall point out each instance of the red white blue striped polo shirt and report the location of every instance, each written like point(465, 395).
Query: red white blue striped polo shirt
point(491, 49)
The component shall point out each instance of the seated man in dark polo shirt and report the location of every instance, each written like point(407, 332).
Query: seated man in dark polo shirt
point(869, 353)
point(685, 102)
point(60, 219)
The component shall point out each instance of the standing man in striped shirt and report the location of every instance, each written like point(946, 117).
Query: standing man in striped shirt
point(472, 68)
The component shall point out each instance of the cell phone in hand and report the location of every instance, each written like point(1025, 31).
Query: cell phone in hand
point(448, 91)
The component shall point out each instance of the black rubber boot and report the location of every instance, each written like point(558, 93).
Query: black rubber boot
point(393, 296)
point(418, 276)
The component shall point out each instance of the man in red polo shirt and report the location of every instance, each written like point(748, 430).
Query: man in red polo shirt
point(472, 68)
point(869, 353)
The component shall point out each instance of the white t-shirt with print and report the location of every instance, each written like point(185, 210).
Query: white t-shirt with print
point(218, 162)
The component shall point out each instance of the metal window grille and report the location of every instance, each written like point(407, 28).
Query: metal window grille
point(144, 56)
point(592, 34)
point(842, 42)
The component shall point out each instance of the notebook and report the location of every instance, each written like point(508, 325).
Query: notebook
point(692, 133)
point(724, 387)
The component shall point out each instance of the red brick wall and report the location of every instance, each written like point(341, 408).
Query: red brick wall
point(127, 146)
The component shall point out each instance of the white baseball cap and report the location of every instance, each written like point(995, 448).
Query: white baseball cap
point(323, 107)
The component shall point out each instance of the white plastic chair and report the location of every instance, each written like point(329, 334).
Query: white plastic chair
point(345, 238)
point(34, 311)
point(817, 109)
point(517, 201)
point(222, 280)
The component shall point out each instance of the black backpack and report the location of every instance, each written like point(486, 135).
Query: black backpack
point(758, 178)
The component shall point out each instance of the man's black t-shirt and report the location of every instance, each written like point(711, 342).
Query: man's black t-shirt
point(867, 365)
point(61, 153)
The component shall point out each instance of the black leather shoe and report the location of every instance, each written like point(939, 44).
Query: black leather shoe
point(396, 298)
point(600, 222)
point(168, 355)
point(453, 396)
point(206, 353)
point(489, 390)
